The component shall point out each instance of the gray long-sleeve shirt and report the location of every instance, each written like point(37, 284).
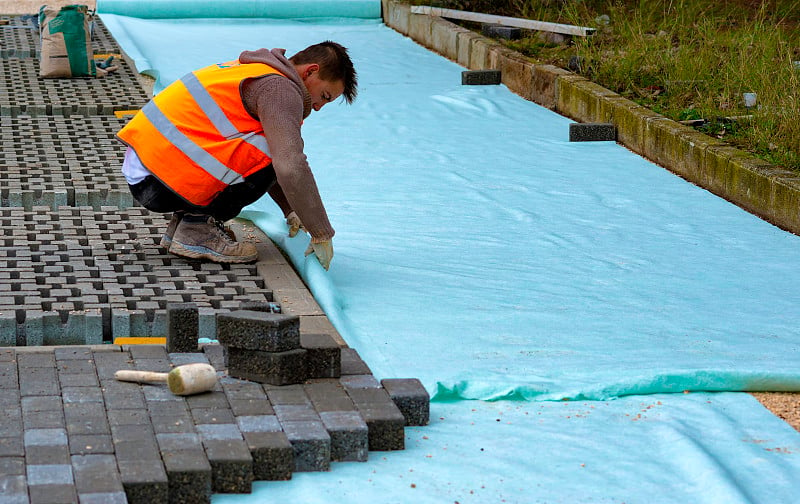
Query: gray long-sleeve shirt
point(280, 104)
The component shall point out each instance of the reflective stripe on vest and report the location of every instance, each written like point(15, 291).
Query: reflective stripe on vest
point(197, 154)
point(217, 117)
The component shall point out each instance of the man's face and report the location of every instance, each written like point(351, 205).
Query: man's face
point(322, 91)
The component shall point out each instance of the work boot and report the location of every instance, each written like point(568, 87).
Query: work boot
point(203, 237)
point(166, 238)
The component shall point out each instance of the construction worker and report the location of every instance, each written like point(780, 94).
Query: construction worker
point(219, 138)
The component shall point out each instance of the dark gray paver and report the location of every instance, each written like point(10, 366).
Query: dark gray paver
point(324, 357)
point(257, 330)
point(592, 132)
point(481, 77)
point(411, 398)
point(274, 368)
point(183, 327)
point(349, 435)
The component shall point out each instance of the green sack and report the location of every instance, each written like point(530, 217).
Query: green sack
point(66, 39)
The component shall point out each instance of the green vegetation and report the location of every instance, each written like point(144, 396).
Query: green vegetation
point(687, 60)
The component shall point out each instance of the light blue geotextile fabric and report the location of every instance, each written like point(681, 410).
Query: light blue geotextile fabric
point(699, 449)
point(480, 251)
point(177, 9)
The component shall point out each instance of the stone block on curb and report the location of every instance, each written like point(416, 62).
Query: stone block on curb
point(183, 327)
point(411, 398)
point(592, 132)
point(500, 31)
point(274, 368)
point(255, 330)
point(480, 77)
point(324, 359)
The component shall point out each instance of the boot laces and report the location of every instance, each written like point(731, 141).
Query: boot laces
point(223, 232)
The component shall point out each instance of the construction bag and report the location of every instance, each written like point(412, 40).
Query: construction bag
point(66, 39)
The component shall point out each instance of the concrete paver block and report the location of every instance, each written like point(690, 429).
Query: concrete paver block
point(275, 368)
point(410, 397)
point(273, 456)
point(183, 321)
point(480, 77)
point(311, 444)
point(349, 435)
point(264, 331)
point(324, 357)
point(592, 132)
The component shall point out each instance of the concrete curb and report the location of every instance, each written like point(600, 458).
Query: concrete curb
point(768, 191)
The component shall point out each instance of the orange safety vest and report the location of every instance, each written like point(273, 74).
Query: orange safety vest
point(196, 135)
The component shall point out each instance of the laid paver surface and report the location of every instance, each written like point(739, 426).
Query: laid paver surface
point(81, 265)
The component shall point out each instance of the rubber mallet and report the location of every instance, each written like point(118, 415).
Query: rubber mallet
point(184, 380)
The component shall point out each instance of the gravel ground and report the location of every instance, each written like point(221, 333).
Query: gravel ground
point(785, 405)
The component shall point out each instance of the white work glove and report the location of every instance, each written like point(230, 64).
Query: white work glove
point(323, 251)
point(293, 221)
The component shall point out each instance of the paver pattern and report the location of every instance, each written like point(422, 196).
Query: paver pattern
point(81, 265)
point(70, 432)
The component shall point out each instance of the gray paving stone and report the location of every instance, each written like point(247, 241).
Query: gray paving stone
point(410, 397)
point(12, 466)
point(144, 481)
point(212, 416)
point(171, 442)
point(273, 455)
point(349, 435)
point(295, 412)
point(47, 455)
point(352, 364)
point(219, 432)
point(359, 381)
point(182, 327)
point(249, 407)
point(103, 498)
point(12, 446)
point(15, 488)
point(311, 444)
point(275, 368)
point(96, 474)
point(49, 494)
point(53, 419)
point(189, 476)
point(46, 437)
point(91, 444)
point(324, 357)
point(231, 465)
point(258, 423)
point(77, 380)
point(264, 331)
point(288, 394)
point(49, 474)
point(385, 424)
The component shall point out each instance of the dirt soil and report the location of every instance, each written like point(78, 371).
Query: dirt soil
point(784, 405)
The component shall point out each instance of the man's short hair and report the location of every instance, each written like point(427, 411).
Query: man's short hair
point(334, 65)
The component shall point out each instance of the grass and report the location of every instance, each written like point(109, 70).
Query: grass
point(683, 59)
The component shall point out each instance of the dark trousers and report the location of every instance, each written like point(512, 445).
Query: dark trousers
point(156, 197)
